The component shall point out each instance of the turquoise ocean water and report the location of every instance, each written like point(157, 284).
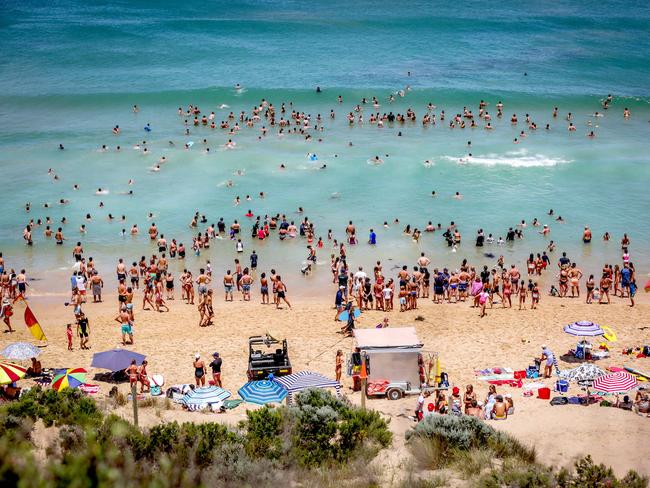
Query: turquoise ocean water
point(70, 71)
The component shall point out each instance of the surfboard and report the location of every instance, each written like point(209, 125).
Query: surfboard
point(639, 374)
point(343, 316)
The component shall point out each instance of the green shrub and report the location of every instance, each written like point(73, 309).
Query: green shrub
point(263, 429)
point(443, 438)
point(68, 407)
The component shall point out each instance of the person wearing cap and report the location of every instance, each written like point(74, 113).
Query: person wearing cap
point(215, 365)
point(199, 370)
point(455, 401)
point(547, 355)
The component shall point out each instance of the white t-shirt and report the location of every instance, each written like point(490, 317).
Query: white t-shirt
point(81, 283)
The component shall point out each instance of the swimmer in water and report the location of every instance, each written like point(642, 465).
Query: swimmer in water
point(376, 160)
point(458, 196)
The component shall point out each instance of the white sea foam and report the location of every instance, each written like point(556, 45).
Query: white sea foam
point(514, 159)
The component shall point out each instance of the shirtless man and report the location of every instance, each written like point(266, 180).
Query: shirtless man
point(228, 285)
point(514, 276)
point(202, 281)
point(126, 326)
point(245, 284)
point(281, 289)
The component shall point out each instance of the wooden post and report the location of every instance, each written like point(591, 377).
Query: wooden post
point(134, 399)
point(363, 376)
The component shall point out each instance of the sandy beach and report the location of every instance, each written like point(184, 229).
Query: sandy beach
point(506, 338)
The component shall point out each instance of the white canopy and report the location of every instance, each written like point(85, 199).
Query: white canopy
point(390, 337)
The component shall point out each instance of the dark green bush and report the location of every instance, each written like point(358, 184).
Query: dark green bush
point(68, 407)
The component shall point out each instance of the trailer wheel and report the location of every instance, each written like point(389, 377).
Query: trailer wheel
point(394, 394)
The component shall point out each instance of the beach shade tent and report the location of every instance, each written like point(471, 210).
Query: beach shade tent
point(20, 351)
point(10, 372)
point(201, 398)
point(618, 382)
point(584, 328)
point(302, 380)
point(584, 373)
point(68, 378)
point(116, 359)
point(262, 392)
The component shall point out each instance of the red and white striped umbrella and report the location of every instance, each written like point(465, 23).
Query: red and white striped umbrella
point(618, 382)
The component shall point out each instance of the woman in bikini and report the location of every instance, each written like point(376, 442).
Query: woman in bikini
point(534, 296)
point(523, 291)
point(564, 281)
point(605, 283)
point(507, 291)
point(469, 397)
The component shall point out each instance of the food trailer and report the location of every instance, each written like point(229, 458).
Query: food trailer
point(394, 359)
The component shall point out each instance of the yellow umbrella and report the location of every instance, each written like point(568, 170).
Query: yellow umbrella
point(10, 372)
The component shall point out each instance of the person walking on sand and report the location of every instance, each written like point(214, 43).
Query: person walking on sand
point(199, 370)
point(282, 292)
point(126, 326)
point(83, 329)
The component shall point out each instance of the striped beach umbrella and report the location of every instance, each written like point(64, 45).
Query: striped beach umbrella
point(618, 382)
point(584, 328)
point(20, 351)
point(262, 392)
point(10, 372)
point(68, 378)
point(201, 397)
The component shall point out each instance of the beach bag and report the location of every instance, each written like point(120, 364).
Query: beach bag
point(559, 401)
point(520, 375)
point(532, 372)
point(156, 391)
point(646, 351)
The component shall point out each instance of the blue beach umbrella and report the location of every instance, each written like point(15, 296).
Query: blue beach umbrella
point(262, 392)
point(20, 351)
point(199, 397)
point(116, 359)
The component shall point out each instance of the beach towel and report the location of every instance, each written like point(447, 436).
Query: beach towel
point(89, 389)
point(230, 404)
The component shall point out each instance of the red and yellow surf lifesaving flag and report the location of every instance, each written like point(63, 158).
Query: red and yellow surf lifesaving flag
point(31, 322)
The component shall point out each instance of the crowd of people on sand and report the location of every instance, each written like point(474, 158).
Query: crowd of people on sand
point(481, 286)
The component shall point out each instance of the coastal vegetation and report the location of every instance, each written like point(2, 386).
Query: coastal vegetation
point(320, 441)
